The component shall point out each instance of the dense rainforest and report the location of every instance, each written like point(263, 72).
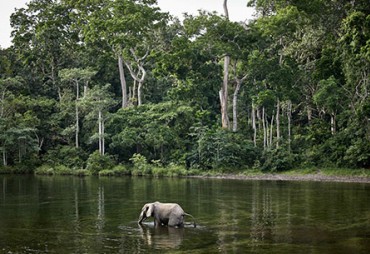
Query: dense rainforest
point(107, 84)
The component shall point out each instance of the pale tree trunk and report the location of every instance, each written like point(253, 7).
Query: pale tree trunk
point(134, 92)
point(254, 126)
point(224, 94)
point(235, 106)
point(309, 111)
point(224, 89)
point(226, 11)
point(100, 132)
point(86, 86)
point(77, 114)
point(139, 90)
point(123, 81)
point(277, 123)
point(238, 85)
point(5, 161)
point(264, 128)
point(267, 131)
point(136, 77)
point(333, 123)
point(289, 114)
point(271, 130)
point(103, 138)
point(40, 141)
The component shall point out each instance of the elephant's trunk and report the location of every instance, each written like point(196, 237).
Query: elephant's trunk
point(194, 223)
point(141, 218)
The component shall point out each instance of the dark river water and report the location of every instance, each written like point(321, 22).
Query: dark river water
point(40, 214)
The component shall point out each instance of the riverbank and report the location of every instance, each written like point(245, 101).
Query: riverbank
point(310, 174)
point(289, 177)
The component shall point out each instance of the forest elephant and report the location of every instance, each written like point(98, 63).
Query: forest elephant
point(170, 214)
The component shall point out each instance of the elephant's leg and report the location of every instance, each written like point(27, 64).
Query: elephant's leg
point(176, 221)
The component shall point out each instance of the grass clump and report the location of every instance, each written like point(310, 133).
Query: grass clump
point(44, 170)
point(63, 170)
point(106, 172)
point(81, 172)
point(121, 170)
point(140, 165)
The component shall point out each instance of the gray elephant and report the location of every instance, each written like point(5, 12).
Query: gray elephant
point(170, 214)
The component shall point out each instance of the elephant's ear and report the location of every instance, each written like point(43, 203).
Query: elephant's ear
point(149, 210)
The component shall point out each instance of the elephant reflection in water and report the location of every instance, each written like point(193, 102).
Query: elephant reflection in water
point(162, 237)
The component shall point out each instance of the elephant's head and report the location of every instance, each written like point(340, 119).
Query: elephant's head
point(146, 211)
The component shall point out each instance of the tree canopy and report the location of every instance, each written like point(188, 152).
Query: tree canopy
point(288, 89)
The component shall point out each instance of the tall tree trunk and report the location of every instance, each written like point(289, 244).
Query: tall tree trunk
point(86, 87)
point(271, 130)
point(264, 129)
point(123, 81)
point(254, 126)
point(226, 11)
point(77, 114)
point(5, 161)
point(136, 78)
point(289, 114)
point(277, 123)
point(309, 111)
point(134, 92)
point(332, 123)
point(224, 89)
point(224, 94)
point(267, 131)
point(235, 105)
point(139, 89)
point(103, 138)
point(100, 133)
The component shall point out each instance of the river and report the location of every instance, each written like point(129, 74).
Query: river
point(61, 214)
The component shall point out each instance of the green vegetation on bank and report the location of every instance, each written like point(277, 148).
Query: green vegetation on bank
point(121, 87)
point(104, 166)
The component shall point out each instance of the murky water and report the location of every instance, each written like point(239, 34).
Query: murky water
point(99, 215)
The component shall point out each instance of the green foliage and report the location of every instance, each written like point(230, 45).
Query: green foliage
point(44, 170)
point(217, 148)
point(54, 170)
point(68, 156)
point(118, 170)
point(97, 162)
point(140, 165)
point(171, 170)
point(63, 170)
point(157, 131)
point(304, 99)
point(277, 160)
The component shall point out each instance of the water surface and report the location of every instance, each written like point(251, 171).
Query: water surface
point(41, 214)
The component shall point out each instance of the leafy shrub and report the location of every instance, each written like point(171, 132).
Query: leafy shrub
point(358, 154)
point(69, 156)
point(44, 170)
point(120, 170)
point(63, 170)
point(97, 162)
point(106, 172)
point(172, 170)
point(140, 164)
point(81, 172)
point(277, 160)
point(176, 170)
point(159, 171)
point(218, 148)
point(6, 170)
